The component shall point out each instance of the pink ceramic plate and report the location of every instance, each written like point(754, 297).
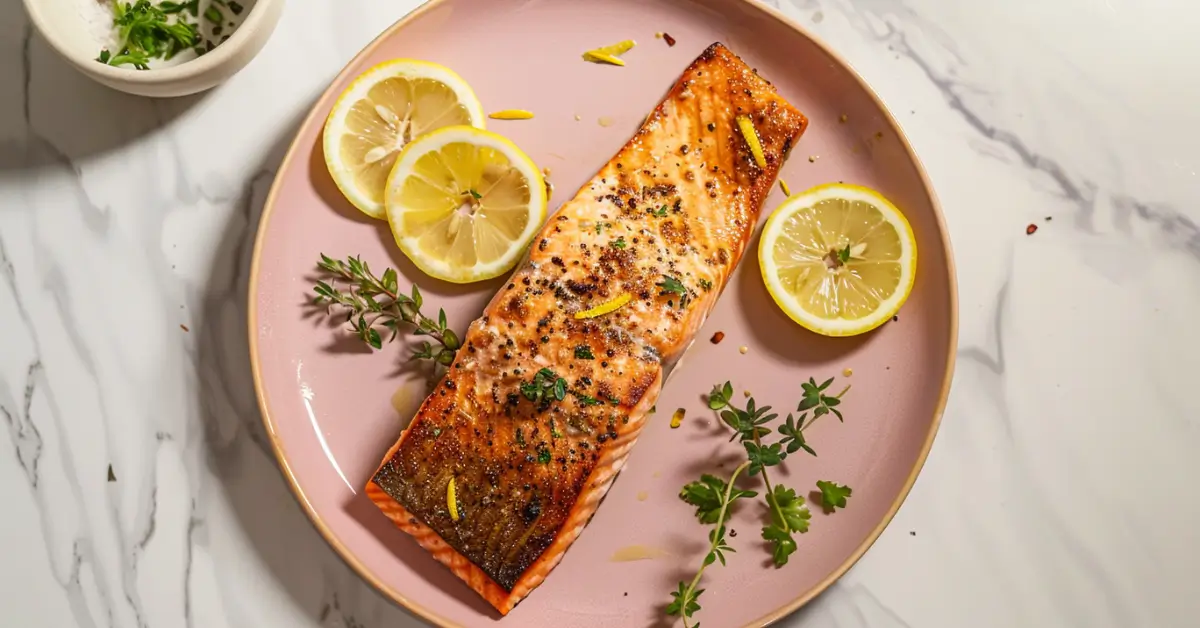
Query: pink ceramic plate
point(333, 410)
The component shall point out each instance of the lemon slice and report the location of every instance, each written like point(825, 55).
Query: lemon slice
point(381, 111)
point(839, 259)
point(464, 203)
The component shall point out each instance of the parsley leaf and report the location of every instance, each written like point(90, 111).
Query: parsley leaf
point(671, 285)
point(619, 243)
point(661, 212)
point(708, 494)
point(795, 511)
point(584, 352)
point(781, 542)
point(546, 385)
point(788, 514)
point(833, 495)
point(844, 254)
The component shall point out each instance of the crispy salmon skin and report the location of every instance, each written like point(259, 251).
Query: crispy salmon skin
point(539, 411)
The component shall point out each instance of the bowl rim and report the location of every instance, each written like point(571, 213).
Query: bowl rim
point(218, 56)
point(430, 616)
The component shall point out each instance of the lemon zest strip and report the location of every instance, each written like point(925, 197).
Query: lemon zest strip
point(605, 308)
point(511, 114)
point(751, 135)
point(451, 501)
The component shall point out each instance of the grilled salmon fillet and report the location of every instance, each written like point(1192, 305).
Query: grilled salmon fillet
point(544, 401)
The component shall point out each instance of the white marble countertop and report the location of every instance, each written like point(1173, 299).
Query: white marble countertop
point(1060, 491)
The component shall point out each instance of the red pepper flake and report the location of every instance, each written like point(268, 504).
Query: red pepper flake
point(1031, 229)
point(670, 40)
point(718, 337)
point(184, 327)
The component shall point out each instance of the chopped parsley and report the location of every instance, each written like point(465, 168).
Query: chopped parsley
point(546, 385)
point(671, 285)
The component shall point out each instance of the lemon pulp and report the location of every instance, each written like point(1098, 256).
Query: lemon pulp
point(464, 203)
point(838, 259)
point(394, 111)
point(382, 111)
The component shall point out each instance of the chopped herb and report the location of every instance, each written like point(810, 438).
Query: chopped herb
point(584, 352)
point(544, 387)
point(112, 477)
point(706, 284)
point(171, 8)
point(833, 495)
point(619, 243)
point(544, 456)
point(520, 437)
point(146, 32)
point(601, 226)
point(236, 7)
point(844, 254)
point(475, 194)
point(586, 400)
point(671, 285)
point(213, 14)
point(661, 212)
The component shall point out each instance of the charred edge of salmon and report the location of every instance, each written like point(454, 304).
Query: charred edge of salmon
point(779, 125)
point(606, 470)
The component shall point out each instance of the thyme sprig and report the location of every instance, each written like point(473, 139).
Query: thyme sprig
point(374, 303)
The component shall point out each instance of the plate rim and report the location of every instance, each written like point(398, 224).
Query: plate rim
point(428, 615)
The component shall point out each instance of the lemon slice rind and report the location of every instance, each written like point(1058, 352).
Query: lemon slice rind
point(791, 306)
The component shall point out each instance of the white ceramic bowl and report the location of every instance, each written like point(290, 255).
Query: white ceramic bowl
point(64, 25)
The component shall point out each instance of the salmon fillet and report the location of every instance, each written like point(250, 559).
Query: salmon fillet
point(663, 224)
